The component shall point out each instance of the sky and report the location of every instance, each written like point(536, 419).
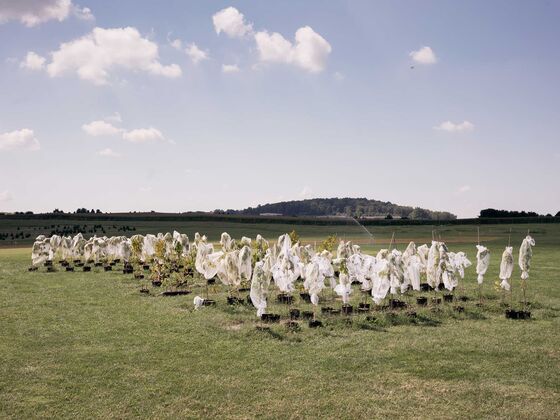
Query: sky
point(200, 105)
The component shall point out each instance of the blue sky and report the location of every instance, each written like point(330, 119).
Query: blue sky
point(247, 117)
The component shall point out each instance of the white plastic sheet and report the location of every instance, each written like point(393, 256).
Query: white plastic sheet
point(506, 268)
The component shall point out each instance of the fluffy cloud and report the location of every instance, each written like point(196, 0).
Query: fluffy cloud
point(230, 68)
point(108, 153)
point(34, 12)
point(231, 22)
point(196, 54)
point(424, 55)
point(176, 43)
point(138, 135)
point(33, 61)
point(142, 135)
point(93, 56)
point(310, 50)
point(23, 139)
point(100, 128)
point(455, 127)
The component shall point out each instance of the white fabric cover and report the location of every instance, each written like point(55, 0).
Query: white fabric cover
point(482, 262)
point(525, 256)
point(259, 288)
point(506, 268)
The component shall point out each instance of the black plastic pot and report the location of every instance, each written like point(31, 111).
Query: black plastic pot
point(156, 283)
point(144, 290)
point(63, 263)
point(244, 289)
point(128, 270)
point(364, 307)
point(98, 264)
point(50, 269)
point(32, 269)
point(347, 309)
point(208, 302)
point(270, 318)
point(326, 309)
point(175, 292)
point(397, 304)
point(79, 264)
point(108, 268)
point(48, 263)
point(69, 268)
point(77, 261)
point(436, 301)
point(425, 287)
point(139, 276)
point(86, 268)
point(315, 323)
point(285, 298)
point(307, 315)
point(211, 281)
point(233, 300)
point(513, 314)
point(448, 297)
point(294, 313)
point(146, 267)
point(459, 308)
point(306, 297)
point(422, 300)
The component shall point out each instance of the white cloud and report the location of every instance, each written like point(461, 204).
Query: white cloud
point(196, 54)
point(230, 68)
point(464, 189)
point(5, 196)
point(23, 139)
point(309, 52)
point(142, 135)
point(100, 128)
point(34, 12)
point(108, 153)
point(455, 127)
point(83, 13)
point(231, 22)
point(176, 43)
point(33, 61)
point(93, 56)
point(424, 55)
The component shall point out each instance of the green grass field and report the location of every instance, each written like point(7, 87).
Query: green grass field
point(78, 345)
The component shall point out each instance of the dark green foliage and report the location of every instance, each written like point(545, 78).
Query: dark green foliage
point(351, 207)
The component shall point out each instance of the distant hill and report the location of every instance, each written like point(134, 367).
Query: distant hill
point(349, 207)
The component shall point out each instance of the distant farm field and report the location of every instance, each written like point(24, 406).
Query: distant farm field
point(78, 345)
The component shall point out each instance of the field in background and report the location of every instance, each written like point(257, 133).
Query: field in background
point(90, 345)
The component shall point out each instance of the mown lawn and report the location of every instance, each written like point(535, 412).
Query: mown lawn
point(90, 345)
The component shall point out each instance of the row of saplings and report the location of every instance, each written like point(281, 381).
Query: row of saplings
point(173, 271)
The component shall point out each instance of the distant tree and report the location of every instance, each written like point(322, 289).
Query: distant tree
point(557, 214)
point(28, 212)
point(57, 211)
point(389, 217)
point(98, 211)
